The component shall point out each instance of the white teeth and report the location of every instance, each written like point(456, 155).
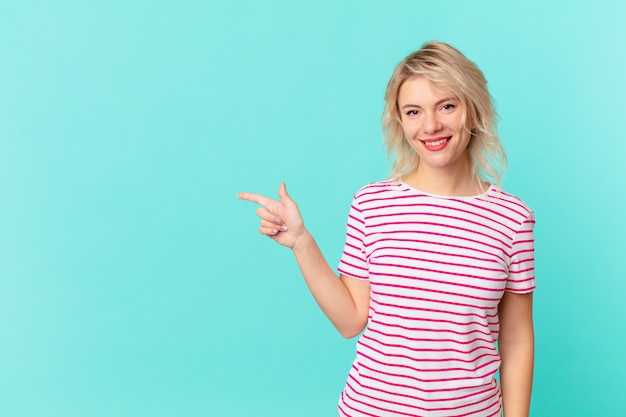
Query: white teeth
point(435, 143)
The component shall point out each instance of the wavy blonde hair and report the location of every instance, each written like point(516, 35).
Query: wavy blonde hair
point(447, 68)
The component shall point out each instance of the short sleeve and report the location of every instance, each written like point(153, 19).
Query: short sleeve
point(353, 261)
point(522, 267)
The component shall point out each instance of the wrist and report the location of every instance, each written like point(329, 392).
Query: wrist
point(303, 241)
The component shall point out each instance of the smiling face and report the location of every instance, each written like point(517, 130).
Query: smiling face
point(432, 120)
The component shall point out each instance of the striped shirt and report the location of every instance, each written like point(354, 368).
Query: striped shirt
point(437, 267)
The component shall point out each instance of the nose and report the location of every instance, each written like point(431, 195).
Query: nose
point(432, 123)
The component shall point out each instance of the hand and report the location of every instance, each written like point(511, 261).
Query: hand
point(280, 220)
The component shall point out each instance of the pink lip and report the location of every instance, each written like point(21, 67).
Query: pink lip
point(436, 147)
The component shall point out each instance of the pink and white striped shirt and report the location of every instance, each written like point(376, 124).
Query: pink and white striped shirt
point(438, 267)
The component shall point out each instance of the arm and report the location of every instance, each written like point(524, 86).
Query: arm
point(516, 346)
point(345, 301)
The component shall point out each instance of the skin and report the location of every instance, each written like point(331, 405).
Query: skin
point(345, 301)
point(516, 345)
point(428, 115)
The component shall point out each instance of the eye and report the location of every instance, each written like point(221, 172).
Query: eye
point(412, 113)
point(448, 107)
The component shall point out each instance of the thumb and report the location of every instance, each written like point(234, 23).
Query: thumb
point(282, 193)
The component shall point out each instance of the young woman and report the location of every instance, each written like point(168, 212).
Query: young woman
point(438, 263)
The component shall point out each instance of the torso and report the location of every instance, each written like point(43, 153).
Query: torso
point(437, 267)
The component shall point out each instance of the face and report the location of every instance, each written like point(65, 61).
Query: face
point(432, 119)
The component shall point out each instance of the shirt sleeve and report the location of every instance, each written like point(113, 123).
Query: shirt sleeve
point(353, 261)
point(521, 278)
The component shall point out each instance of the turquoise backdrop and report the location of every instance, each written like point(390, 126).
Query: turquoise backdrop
point(133, 282)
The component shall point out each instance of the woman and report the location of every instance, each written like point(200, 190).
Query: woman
point(438, 263)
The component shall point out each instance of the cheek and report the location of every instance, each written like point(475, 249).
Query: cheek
point(466, 138)
point(414, 144)
point(410, 130)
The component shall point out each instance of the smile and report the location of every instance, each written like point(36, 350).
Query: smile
point(436, 143)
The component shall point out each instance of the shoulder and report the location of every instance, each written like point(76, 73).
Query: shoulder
point(376, 190)
point(509, 203)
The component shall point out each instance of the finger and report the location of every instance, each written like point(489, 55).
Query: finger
point(268, 231)
point(284, 196)
point(273, 225)
point(255, 198)
point(265, 214)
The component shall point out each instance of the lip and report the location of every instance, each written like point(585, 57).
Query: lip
point(436, 144)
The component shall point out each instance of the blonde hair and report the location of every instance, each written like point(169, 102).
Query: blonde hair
point(447, 68)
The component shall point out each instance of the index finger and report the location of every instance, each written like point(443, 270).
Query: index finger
point(255, 198)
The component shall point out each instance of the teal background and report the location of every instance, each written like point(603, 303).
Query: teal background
point(134, 283)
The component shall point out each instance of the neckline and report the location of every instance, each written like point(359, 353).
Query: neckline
point(448, 197)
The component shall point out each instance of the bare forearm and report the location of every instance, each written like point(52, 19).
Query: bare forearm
point(516, 376)
point(329, 291)
point(281, 221)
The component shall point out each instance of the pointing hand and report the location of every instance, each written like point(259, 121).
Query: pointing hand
point(280, 219)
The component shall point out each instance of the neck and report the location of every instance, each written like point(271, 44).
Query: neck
point(450, 181)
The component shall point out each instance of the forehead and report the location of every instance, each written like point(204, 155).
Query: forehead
point(420, 90)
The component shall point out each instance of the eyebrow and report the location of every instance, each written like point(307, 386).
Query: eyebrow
point(436, 104)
